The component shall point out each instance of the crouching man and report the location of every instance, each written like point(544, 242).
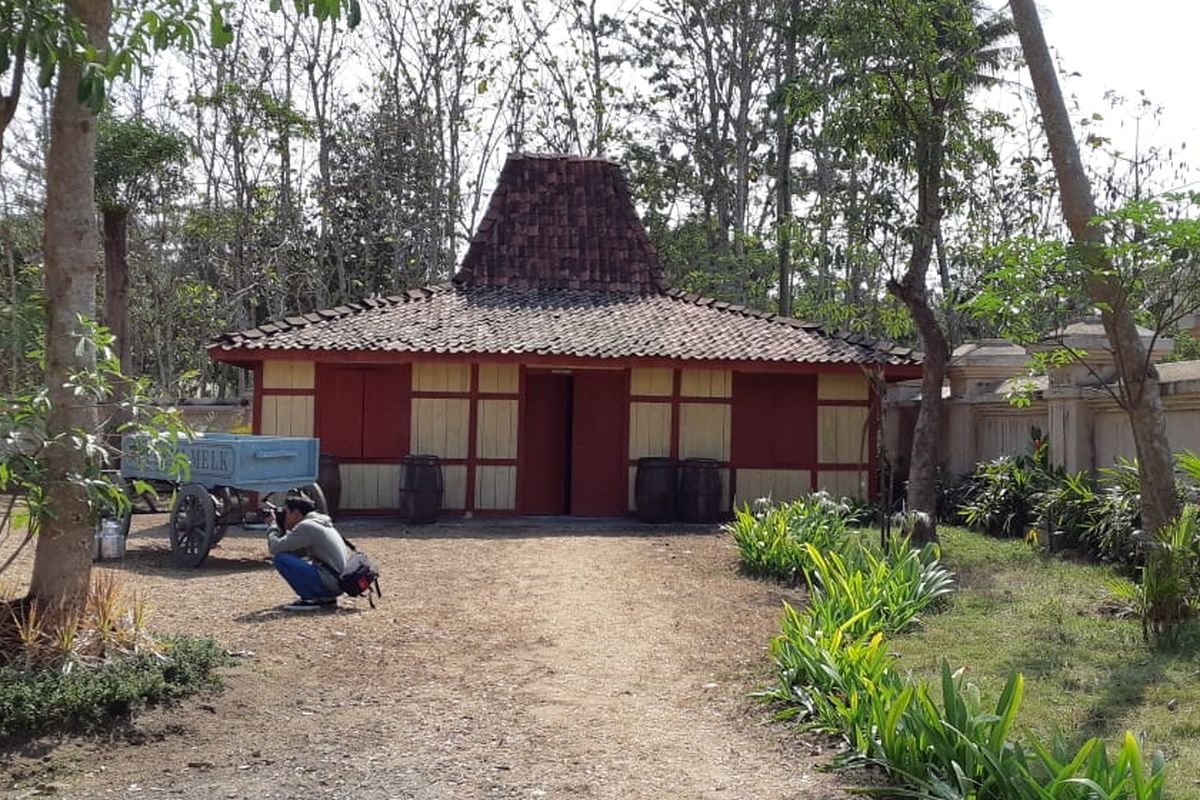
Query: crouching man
point(309, 553)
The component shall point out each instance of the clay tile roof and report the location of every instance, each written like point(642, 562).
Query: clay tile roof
point(561, 265)
point(565, 322)
point(560, 222)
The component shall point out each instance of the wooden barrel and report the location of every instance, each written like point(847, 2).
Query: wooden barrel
point(329, 477)
point(654, 489)
point(421, 488)
point(699, 490)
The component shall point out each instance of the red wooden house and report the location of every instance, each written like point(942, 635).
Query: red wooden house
point(557, 358)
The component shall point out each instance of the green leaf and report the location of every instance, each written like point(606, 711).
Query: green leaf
point(221, 32)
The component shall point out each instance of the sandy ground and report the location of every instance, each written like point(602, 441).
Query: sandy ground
point(516, 659)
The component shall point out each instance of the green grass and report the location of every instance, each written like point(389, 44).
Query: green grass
point(1086, 674)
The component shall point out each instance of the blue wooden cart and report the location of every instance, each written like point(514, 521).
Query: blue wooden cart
point(223, 467)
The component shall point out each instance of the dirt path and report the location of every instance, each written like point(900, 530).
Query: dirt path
point(504, 662)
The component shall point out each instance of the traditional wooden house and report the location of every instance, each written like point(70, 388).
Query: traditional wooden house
point(556, 358)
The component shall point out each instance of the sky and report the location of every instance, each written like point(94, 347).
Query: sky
point(1124, 46)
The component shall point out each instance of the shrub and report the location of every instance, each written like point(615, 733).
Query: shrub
point(963, 750)
point(1003, 500)
point(110, 623)
point(834, 669)
point(1169, 592)
point(882, 593)
point(38, 700)
point(953, 495)
point(1116, 517)
point(771, 538)
point(1066, 508)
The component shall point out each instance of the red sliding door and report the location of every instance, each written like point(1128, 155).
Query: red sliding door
point(599, 472)
point(545, 438)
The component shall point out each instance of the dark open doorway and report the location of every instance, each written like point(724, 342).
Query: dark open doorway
point(573, 445)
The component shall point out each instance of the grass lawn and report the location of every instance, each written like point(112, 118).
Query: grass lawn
point(1086, 674)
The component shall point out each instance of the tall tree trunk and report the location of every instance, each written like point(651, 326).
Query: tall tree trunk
point(783, 178)
point(116, 280)
point(1140, 394)
point(911, 289)
point(13, 384)
point(116, 308)
point(63, 560)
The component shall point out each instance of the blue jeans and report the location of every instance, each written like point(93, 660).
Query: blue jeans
point(302, 575)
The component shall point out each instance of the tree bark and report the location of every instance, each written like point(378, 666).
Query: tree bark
point(116, 281)
point(63, 561)
point(783, 178)
point(1139, 392)
point(116, 313)
point(911, 290)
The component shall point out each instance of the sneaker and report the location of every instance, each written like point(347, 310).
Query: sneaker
point(311, 604)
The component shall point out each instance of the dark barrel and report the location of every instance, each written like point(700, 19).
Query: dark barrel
point(420, 488)
point(654, 489)
point(699, 490)
point(329, 476)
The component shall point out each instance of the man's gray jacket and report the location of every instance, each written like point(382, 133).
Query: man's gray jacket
point(314, 538)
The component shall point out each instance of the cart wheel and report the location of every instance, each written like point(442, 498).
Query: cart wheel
point(193, 525)
point(225, 503)
point(314, 491)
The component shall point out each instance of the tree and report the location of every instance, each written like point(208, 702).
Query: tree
point(907, 72)
point(135, 162)
point(73, 48)
point(1139, 387)
point(62, 561)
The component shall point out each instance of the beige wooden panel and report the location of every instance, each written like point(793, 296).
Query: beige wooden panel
point(651, 381)
point(496, 487)
point(288, 374)
point(287, 415)
point(388, 477)
point(353, 485)
point(440, 426)
point(704, 430)
point(842, 387)
point(705, 383)
point(267, 424)
point(843, 484)
point(781, 485)
point(454, 477)
point(499, 378)
point(441, 377)
point(649, 429)
point(370, 486)
point(302, 416)
point(840, 438)
point(497, 429)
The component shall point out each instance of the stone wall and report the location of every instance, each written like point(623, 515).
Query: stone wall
point(1073, 407)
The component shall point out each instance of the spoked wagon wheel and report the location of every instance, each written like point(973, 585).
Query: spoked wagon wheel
point(193, 526)
point(228, 510)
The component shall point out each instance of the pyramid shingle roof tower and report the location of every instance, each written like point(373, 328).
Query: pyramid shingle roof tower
point(561, 222)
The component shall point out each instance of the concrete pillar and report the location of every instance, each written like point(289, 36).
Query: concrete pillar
point(1070, 434)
